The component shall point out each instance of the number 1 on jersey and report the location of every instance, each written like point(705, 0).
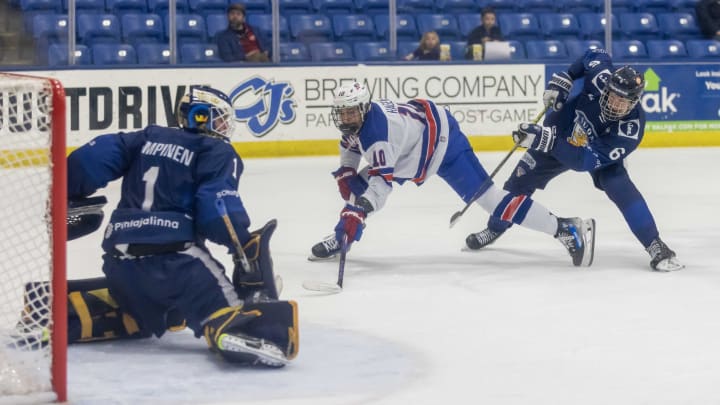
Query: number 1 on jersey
point(150, 177)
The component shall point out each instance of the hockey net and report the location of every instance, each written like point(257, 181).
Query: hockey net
point(33, 314)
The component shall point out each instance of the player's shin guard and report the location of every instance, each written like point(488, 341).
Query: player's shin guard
point(263, 333)
point(260, 282)
point(662, 258)
point(578, 237)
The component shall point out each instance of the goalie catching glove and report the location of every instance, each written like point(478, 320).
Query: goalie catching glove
point(558, 90)
point(535, 137)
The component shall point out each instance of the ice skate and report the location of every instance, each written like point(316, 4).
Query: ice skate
point(578, 237)
point(662, 258)
point(479, 240)
point(326, 249)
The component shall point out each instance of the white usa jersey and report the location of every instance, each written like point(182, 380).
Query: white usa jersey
point(401, 142)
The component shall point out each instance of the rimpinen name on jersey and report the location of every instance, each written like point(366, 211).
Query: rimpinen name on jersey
point(170, 151)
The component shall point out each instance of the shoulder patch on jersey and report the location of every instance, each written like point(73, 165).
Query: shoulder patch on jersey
point(601, 79)
point(629, 129)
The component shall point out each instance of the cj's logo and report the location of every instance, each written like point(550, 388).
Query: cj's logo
point(261, 104)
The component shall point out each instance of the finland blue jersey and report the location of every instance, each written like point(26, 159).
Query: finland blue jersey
point(585, 141)
point(171, 181)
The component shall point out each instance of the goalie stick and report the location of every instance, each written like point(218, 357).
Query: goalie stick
point(326, 287)
point(456, 216)
point(222, 210)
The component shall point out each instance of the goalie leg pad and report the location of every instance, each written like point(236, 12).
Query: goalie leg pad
point(261, 278)
point(263, 333)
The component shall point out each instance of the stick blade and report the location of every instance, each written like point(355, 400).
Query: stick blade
point(454, 218)
point(321, 286)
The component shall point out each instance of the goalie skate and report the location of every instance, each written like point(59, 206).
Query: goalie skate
point(662, 257)
point(578, 237)
point(326, 249)
point(244, 349)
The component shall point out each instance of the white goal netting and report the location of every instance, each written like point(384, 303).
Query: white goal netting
point(26, 239)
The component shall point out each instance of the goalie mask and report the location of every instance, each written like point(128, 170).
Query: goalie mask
point(208, 111)
point(621, 93)
point(350, 105)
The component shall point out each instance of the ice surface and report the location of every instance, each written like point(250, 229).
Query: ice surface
point(421, 322)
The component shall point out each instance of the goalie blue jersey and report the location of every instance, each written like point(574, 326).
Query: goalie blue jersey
point(171, 181)
point(585, 141)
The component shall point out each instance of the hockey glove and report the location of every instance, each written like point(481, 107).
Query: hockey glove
point(536, 137)
point(352, 220)
point(557, 91)
point(348, 182)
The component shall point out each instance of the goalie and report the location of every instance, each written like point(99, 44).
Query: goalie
point(159, 274)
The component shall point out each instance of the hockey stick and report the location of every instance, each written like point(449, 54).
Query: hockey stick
point(222, 210)
point(329, 287)
point(456, 216)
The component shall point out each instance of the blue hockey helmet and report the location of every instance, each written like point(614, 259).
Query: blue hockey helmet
point(350, 105)
point(621, 93)
point(208, 111)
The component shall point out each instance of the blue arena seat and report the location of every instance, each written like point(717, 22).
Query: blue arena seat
point(311, 28)
point(579, 6)
point(468, 22)
point(331, 52)
point(372, 51)
point(538, 6)
point(652, 6)
point(445, 25)
point(160, 7)
point(199, 53)
point(294, 52)
point(405, 23)
point(113, 54)
point(263, 24)
point(86, 6)
point(189, 28)
point(629, 50)
point(548, 49)
point(257, 7)
point(344, 7)
point(502, 6)
point(142, 28)
point(153, 54)
point(372, 7)
point(58, 55)
point(517, 50)
point(296, 6)
point(404, 48)
point(54, 6)
point(457, 49)
point(703, 48)
point(98, 29)
point(666, 49)
point(50, 27)
point(519, 26)
point(577, 47)
point(121, 7)
point(592, 25)
point(415, 6)
point(215, 23)
point(559, 25)
point(638, 26)
point(353, 27)
point(678, 26)
point(683, 6)
point(457, 7)
point(206, 7)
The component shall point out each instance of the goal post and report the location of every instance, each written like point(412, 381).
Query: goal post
point(33, 234)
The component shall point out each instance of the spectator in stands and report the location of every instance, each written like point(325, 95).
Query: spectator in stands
point(428, 49)
point(239, 42)
point(708, 18)
point(487, 31)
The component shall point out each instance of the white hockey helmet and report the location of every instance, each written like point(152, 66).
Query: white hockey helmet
point(350, 105)
point(208, 111)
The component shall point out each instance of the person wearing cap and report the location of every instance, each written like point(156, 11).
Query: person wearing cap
point(239, 42)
